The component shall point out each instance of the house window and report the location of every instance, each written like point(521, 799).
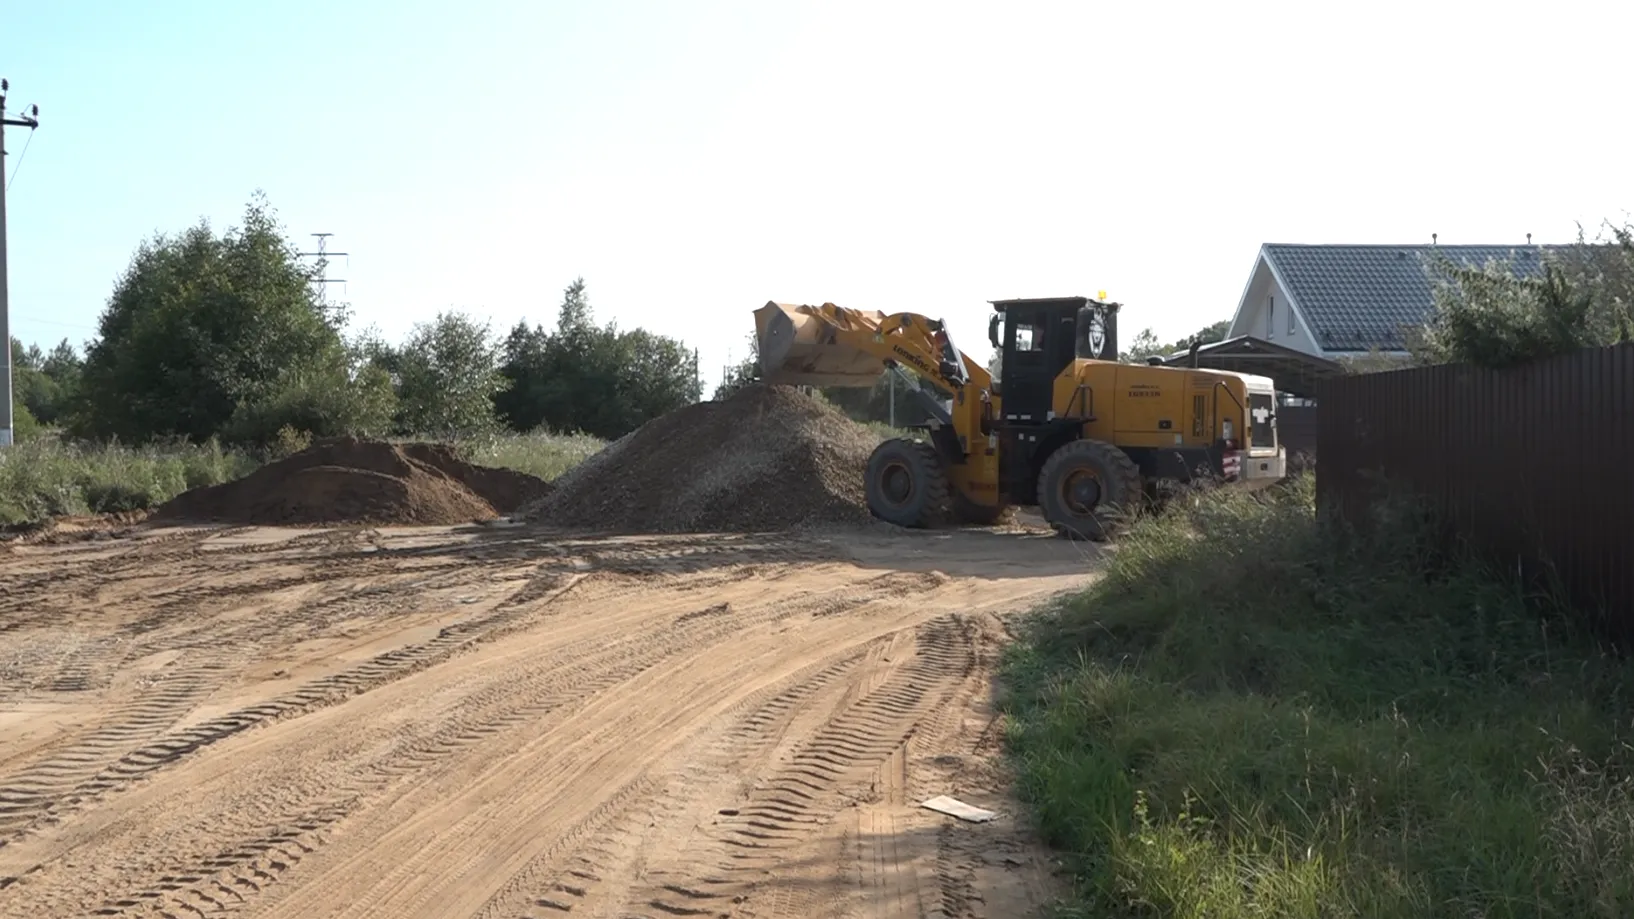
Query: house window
point(1293, 324)
point(1271, 317)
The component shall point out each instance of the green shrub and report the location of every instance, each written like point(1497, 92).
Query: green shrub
point(24, 427)
point(1252, 714)
point(48, 478)
point(1492, 316)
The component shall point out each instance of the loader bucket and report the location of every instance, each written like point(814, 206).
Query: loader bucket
point(798, 348)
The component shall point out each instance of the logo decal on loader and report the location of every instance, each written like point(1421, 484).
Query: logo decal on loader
point(1097, 333)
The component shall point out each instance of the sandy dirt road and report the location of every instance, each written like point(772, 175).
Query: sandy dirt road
point(489, 722)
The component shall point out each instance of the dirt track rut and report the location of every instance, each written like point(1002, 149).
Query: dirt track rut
point(508, 722)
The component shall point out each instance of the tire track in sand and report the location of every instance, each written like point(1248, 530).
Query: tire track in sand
point(757, 723)
point(550, 770)
point(262, 856)
point(35, 788)
point(47, 798)
point(723, 875)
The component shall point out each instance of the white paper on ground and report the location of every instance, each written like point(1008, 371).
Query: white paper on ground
point(953, 807)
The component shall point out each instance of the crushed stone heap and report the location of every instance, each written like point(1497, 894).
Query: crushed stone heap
point(347, 480)
point(766, 458)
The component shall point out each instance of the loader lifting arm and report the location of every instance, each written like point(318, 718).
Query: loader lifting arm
point(909, 482)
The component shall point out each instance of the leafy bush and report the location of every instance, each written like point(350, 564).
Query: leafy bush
point(447, 377)
point(541, 454)
point(1253, 714)
point(317, 402)
point(1495, 316)
point(24, 426)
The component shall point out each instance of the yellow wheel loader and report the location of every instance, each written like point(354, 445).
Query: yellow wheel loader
point(1065, 428)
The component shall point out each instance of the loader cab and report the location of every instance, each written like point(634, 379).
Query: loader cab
point(1040, 338)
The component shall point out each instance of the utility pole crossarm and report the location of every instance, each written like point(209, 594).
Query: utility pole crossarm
point(29, 119)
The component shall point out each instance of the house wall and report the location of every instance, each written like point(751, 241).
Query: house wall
point(1251, 321)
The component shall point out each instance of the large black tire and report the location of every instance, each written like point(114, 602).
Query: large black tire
point(906, 484)
point(1087, 488)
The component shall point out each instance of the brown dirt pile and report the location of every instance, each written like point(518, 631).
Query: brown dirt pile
point(768, 458)
point(346, 480)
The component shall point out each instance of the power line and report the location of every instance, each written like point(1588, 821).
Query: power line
point(19, 167)
point(70, 325)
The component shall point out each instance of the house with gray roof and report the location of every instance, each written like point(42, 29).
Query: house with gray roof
point(1332, 301)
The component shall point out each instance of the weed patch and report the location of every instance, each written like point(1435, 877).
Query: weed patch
point(1252, 714)
point(45, 478)
point(545, 455)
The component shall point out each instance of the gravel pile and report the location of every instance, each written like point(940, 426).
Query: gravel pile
point(767, 458)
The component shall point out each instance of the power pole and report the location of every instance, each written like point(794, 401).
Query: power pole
point(30, 120)
point(323, 266)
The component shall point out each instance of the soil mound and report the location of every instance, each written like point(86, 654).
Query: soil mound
point(767, 458)
point(346, 480)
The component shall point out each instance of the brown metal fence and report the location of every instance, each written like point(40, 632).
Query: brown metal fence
point(1531, 466)
point(1296, 429)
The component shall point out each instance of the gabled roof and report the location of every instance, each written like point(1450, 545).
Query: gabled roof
point(1357, 298)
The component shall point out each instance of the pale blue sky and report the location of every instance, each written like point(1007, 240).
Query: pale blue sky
point(693, 160)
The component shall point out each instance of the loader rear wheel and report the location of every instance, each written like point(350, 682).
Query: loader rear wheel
point(1087, 488)
point(905, 483)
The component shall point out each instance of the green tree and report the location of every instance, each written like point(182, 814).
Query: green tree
point(522, 404)
point(652, 375)
point(42, 382)
point(595, 379)
point(24, 427)
point(447, 376)
point(204, 331)
point(1494, 316)
point(741, 374)
point(1142, 346)
point(1145, 344)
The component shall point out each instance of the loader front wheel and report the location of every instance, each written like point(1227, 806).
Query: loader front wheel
point(1087, 488)
point(906, 484)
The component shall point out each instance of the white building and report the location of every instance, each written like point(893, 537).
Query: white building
point(1334, 301)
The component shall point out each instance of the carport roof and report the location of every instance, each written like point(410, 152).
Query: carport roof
point(1294, 372)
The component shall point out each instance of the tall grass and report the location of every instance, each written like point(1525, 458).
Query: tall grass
point(45, 478)
point(545, 455)
point(1255, 715)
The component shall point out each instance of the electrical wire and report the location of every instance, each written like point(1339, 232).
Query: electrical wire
point(19, 166)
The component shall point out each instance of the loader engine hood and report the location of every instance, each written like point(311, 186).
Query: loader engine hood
point(797, 348)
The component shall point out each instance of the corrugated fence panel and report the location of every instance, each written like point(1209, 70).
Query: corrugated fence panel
point(1296, 428)
point(1529, 466)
